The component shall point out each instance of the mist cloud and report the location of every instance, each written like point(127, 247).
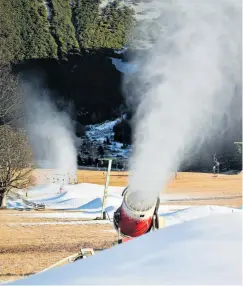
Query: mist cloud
point(51, 132)
point(185, 86)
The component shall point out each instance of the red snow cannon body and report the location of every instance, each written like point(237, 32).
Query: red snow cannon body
point(135, 219)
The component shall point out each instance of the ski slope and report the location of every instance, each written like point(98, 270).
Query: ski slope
point(201, 251)
point(101, 131)
point(84, 201)
point(84, 198)
point(123, 66)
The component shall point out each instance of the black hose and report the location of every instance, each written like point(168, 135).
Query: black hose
point(124, 191)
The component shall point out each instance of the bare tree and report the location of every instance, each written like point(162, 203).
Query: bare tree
point(11, 96)
point(15, 153)
point(15, 161)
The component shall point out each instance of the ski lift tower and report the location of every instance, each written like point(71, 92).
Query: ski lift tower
point(103, 213)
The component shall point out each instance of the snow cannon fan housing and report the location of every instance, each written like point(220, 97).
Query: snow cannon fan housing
point(136, 216)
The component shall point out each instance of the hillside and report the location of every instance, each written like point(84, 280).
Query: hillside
point(80, 51)
point(71, 48)
point(55, 28)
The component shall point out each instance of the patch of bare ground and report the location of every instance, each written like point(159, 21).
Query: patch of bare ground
point(25, 250)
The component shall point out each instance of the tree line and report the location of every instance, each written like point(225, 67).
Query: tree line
point(71, 47)
point(108, 27)
point(26, 31)
point(66, 46)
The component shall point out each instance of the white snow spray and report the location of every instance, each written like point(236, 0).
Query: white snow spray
point(51, 135)
point(184, 86)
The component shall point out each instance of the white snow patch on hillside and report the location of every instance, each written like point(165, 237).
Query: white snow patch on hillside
point(99, 132)
point(145, 10)
point(124, 67)
point(48, 9)
point(202, 251)
point(104, 3)
point(121, 51)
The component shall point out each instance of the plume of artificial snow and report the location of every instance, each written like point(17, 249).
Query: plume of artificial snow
point(184, 87)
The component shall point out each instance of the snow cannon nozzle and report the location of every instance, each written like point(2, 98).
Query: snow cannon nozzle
point(137, 215)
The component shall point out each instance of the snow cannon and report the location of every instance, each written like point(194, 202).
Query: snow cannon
point(136, 216)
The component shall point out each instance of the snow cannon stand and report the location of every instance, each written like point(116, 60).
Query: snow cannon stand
point(131, 220)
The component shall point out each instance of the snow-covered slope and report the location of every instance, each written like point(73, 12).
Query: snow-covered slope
point(97, 133)
point(86, 200)
point(47, 4)
point(195, 212)
point(203, 251)
point(101, 131)
point(124, 67)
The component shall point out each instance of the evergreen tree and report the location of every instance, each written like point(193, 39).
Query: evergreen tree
point(101, 151)
point(122, 132)
point(62, 28)
point(102, 28)
point(24, 31)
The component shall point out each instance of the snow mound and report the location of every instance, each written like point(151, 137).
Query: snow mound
point(202, 251)
point(44, 190)
point(92, 204)
point(195, 212)
point(86, 200)
point(81, 197)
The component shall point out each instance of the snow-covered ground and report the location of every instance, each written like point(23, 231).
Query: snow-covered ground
point(99, 132)
point(85, 198)
point(202, 251)
point(85, 202)
point(197, 245)
point(124, 67)
point(47, 4)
